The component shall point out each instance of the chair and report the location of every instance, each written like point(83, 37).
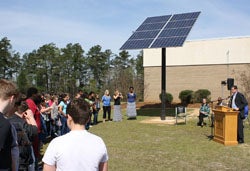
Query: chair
point(180, 112)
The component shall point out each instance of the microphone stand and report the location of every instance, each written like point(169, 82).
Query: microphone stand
point(212, 121)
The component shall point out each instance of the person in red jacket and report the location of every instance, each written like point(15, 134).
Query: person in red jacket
point(33, 100)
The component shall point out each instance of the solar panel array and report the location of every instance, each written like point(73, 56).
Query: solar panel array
point(162, 31)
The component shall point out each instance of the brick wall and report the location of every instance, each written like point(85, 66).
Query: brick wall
point(194, 77)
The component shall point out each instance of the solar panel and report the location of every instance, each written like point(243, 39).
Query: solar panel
point(168, 42)
point(185, 16)
point(180, 23)
point(145, 34)
point(162, 31)
point(137, 43)
point(174, 32)
point(151, 26)
point(158, 19)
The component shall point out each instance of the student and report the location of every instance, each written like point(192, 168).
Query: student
point(55, 121)
point(8, 94)
point(106, 100)
point(63, 113)
point(97, 108)
point(79, 149)
point(131, 105)
point(33, 100)
point(117, 106)
point(26, 128)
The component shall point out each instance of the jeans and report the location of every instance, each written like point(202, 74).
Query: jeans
point(89, 122)
point(64, 128)
point(95, 113)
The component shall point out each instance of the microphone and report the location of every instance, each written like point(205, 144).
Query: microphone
point(226, 98)
point(220, 99)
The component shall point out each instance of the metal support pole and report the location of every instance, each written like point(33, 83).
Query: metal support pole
point(163, 84)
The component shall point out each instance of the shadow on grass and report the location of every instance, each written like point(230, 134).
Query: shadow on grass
point(155, 112)
point(180, 123)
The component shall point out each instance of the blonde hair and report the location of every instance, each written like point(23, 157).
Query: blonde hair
point(106, 92)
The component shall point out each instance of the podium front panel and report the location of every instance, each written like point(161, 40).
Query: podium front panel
point(219, 124)
point(225, 126)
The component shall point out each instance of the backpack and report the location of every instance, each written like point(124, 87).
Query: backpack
point(24, 145)
point(246, 111)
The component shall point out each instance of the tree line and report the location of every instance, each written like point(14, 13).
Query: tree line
point(69, 69)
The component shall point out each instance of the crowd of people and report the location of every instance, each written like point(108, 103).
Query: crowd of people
point(27, 120)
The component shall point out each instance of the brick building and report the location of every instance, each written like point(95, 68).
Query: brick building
point(200, 64)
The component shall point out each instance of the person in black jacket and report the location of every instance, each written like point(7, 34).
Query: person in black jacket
point(238, 102)
point(8, 93)
point(26, 128)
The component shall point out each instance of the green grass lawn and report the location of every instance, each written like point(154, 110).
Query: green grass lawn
point(136, 146)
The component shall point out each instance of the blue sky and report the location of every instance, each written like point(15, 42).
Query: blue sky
point(29, 24)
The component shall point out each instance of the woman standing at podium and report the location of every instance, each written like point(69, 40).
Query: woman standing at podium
point(238, 102)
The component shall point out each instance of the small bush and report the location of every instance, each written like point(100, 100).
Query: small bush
point(200, 94)
point(169, 97)
point(186, 96)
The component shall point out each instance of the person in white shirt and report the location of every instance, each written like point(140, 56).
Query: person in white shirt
point(78, 149)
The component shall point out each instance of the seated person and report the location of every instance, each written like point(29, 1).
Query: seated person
point(204, 112)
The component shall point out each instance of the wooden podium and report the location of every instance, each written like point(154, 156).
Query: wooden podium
point(225, 125)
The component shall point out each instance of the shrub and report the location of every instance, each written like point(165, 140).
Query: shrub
point(200, 94)
point(186, 96)
point(169, 97)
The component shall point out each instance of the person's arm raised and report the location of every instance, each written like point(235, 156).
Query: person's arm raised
point(29, 117)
